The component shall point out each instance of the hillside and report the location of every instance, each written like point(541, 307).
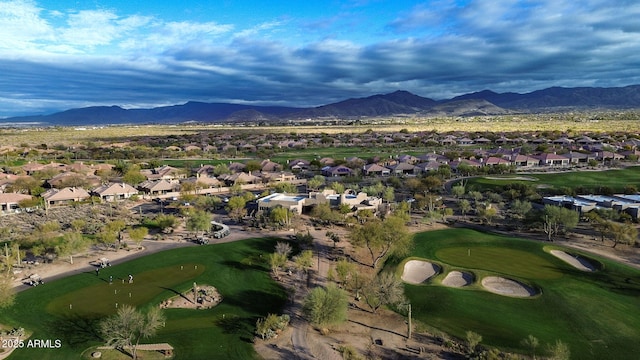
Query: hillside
point(485, 102)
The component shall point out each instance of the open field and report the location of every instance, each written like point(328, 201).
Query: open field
point(69, 309)
point(595, 313)
point(515, 123)
point(615, 179)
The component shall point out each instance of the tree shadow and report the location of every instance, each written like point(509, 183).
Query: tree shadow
point(238, 326)
point(75, 329)
point(177, 293)
point(376, 328)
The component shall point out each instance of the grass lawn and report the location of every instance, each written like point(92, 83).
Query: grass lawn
point(591, 180)
point(237, 270)
point(595, 313)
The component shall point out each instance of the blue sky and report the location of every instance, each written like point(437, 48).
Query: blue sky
point(56, 55)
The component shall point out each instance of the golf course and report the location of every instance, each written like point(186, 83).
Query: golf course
point(70, 309)
point(594, 309)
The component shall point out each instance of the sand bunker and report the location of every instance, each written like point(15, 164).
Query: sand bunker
point(417, 271)
point(507, 287)
point(575, 261)
point(457, 279)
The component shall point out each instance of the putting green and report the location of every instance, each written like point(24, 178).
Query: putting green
point(103, 299)
point(500, 260)
point(594, 313)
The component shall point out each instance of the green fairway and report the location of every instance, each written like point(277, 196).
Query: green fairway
point(500, 260)
point(102, 299)
point(595, 313)
point(70, 309)
point(586, 181)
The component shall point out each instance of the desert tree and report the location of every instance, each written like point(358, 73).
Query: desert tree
point(622, 233)
point(473, 340)
point(303, 261)
point(137, 234)
point(465, 207)
point(128, 326)
point(280, 216)
point(276, 262)
point(382, 238)
point(559, 351)
point(382, 290)
point(283, 248)
point(532, 343)
point(520, 208)
point(458, 191)
point(199, 220)
point(344, 271)
point(7, 292)
point(326, 306)
point(316, 182)
point(236, 207)
point(556, 219)
point(72, 243)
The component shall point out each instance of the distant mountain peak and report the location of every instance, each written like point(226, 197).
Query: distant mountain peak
point(399, 102)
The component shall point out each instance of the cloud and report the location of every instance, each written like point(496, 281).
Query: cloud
point(438, 49)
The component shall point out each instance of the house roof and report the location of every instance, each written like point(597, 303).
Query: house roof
point(13, 198)
point(159, 185)
point(115, 189)
point(375, 168)
point(68, 193)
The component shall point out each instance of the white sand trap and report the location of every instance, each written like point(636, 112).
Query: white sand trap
point(417, 271)
point(577, 262)
point(507, 287)
point(457, 279)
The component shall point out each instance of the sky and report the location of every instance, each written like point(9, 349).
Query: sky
point(57, 55)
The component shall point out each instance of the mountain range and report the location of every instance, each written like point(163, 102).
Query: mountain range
point(398, 103)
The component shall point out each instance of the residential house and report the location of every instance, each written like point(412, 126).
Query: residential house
point(467, 162)
point(270, 166)
point(608, 156)
point(402, 169)
point(409, 159)
point(502, 140)
point(327, 161)
point(9, 202)
point(236, 166)
point(494, 161)
point(563, 141)
point(428, 166)
point(448, 140)
point(278, 176)
point(166, 172)
point(65, 196)
point(524, 161)
point(375, 170)
point(580, 205)
point(464, 141)
point(71, 179)
point(31, 168)
point(115, 192)
point(334, 171)
point(157, 187)
point(239, 178)
point(81, 168)
point(552, 159)
point(434, 157)
point(203, 181)
point(482, 141)
point(578, 158)
point(299, 164)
